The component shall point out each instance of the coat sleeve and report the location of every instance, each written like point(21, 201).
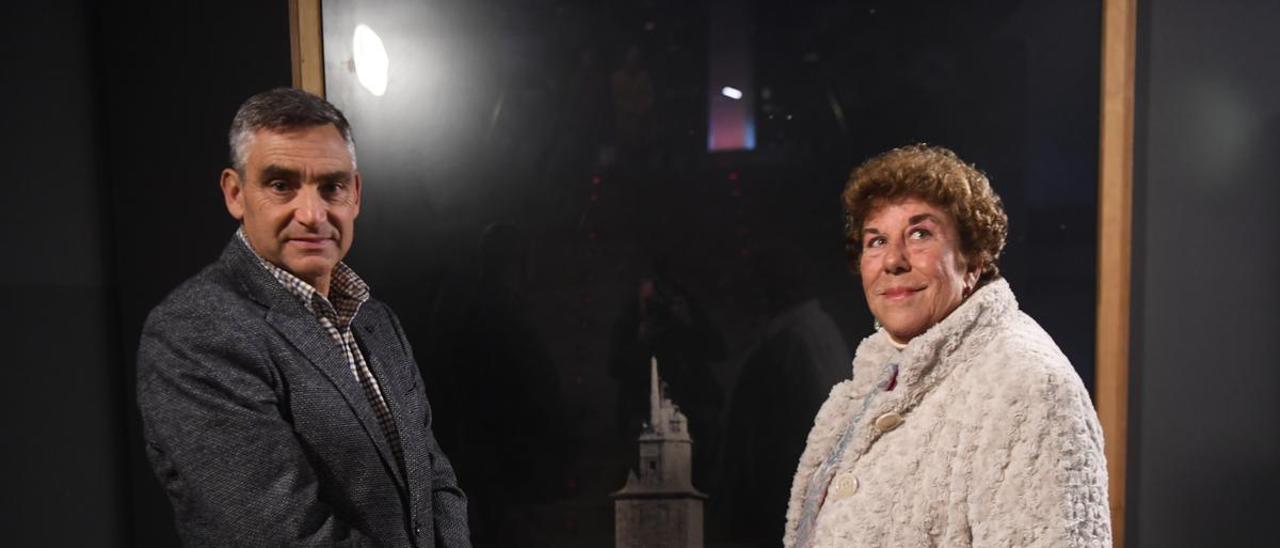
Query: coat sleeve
point(1048, 485)
point(448, 502)
point(226, 457)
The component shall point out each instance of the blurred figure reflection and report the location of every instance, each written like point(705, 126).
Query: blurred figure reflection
point(786, 375)
point(585, 121)
point(511, 437)
point(633, 99)
point(663, 320)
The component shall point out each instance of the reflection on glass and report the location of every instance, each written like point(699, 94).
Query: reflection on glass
point(732, 123)
point(549, 216)
point(370, 59)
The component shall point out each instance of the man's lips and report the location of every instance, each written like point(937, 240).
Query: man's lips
point(310, 242)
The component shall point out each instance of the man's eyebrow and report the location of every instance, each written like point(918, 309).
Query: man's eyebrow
point(273, 172)
point(334, 177)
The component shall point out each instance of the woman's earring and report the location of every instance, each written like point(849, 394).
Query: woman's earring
point(876, 324)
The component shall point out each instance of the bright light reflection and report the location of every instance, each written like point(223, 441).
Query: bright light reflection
point(731, 92)
point(370, 59)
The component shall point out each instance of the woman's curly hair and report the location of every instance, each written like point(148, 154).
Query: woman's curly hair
point(939, 177)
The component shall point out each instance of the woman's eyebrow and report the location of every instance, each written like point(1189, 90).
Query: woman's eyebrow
point(923, 217)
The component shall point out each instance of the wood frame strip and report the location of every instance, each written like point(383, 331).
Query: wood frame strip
point(1115, 229)
point(306, 45)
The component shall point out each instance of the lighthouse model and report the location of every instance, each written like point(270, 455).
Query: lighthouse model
point(659, 507)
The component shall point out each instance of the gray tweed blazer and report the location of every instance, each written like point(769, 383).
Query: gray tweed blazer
point(260, 434)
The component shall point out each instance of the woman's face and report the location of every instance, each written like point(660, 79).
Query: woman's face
point(913, 272)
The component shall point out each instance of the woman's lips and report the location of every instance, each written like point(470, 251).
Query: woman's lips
point(894, 293)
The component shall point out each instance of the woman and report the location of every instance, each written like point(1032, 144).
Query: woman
point(963, 424)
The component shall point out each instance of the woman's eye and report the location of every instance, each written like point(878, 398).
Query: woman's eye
point(875, 242)
point(919, 234)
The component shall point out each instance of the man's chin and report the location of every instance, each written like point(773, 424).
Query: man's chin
point(310, 268)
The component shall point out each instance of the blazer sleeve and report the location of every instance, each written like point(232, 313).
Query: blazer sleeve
point(448, 502)
point(1050, 487)
point(226, 457)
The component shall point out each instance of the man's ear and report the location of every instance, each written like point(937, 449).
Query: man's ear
point(355, 187)
point(233, 193)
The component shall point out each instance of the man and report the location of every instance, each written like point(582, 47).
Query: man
point(281, 404)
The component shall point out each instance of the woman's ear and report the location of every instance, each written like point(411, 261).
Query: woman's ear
point(973, 272)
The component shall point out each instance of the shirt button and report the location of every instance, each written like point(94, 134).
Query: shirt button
point(888, 421)
point(843, 486)
point(417, 527)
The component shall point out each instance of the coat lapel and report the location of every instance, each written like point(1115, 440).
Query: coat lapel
point(296, 324)
point(377, 337)
point(308, 336)
point(928, 359)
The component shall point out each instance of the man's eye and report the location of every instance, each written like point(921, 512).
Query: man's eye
point(278, 186)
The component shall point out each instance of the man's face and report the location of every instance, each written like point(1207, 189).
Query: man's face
point(298, 199)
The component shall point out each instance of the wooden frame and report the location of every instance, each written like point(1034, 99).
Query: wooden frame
point(1115, 208)
point(306, 45)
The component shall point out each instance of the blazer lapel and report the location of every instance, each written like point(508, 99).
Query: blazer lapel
point(378, 351)
point(308, 337)
point(297, 325)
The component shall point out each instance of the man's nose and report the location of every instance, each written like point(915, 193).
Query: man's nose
point(311, 208)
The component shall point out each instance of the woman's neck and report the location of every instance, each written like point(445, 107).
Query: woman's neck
point(894, 340)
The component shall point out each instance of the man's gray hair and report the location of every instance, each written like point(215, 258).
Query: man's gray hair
point(283, 109)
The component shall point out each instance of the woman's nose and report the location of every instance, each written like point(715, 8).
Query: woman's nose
point(895, 258)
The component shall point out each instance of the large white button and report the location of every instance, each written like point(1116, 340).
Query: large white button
point(842, 486)
point(888, 421)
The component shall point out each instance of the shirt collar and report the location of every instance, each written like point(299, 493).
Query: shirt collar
point(347, 291)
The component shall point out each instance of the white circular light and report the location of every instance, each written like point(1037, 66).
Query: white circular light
point(731, 92)
point(371, 60)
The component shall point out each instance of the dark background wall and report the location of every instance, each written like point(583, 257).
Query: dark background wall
point(115, 120)
point(61, 393)
point(1206, 309)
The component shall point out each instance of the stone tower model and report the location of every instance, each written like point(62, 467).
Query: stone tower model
point(659, 507)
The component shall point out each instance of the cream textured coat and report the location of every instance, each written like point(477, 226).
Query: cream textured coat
point(997, 444)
